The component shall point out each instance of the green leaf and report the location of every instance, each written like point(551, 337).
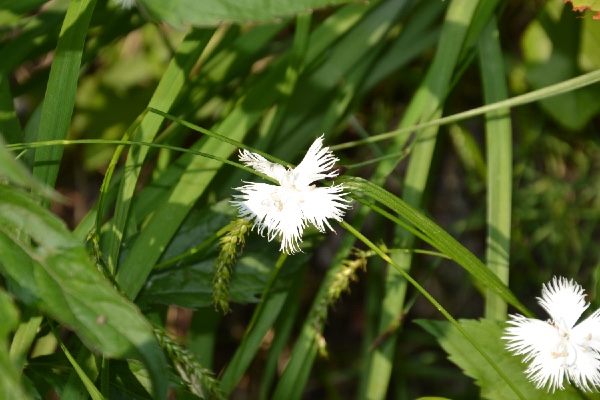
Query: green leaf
point(215, 12)
point(499, 170)
point(65, 284)
point(62, 85)
point(191, 286)
point(130, 381)
point(15, 172)
point(10, 385)
point(173, 80)
point(85, 379)
point(45, 378)
point(488, 334)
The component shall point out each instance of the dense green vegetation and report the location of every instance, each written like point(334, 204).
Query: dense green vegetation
point(467, 136)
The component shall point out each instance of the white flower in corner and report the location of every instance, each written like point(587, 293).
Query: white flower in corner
point(285, 210)
point(558, 348)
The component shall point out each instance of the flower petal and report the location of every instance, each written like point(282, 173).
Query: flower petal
point(563, 300)
point(274, 208)
point(539, 341)
point(585, 373)
point(320, 203)
point(313, 167)
point(261, 164)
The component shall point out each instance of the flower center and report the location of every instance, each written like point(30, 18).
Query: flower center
point(564, 348)
point(288, 179)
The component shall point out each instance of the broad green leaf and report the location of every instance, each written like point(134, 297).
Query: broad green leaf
point(131, 381)
point(65, 284)
point(214, 12)
point(199, 228)
point(488, 334)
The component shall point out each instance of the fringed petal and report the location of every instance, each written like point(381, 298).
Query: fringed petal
point(563, 299)
point(261, 164)
point(315, 165)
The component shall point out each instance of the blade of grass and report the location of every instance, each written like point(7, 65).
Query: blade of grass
point(262, 320)
point(355, 53)
point(89, 385)
point(24, 337)
point(163, 98)
point(62, 86)
point(499, 166)
point(283, 328)
point(295, 67)
point(324, 93)
point(425, 105)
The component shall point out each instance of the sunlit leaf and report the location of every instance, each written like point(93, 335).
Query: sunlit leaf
point(211, 13)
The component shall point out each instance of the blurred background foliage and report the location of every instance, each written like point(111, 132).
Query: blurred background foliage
point(275, 75)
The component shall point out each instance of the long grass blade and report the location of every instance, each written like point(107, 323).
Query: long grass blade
point(499, 167)
point(62, 86)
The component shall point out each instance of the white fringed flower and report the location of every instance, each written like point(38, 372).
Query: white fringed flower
point(287, 209)
point(558, 348)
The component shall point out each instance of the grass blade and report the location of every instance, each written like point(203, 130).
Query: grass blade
point(62, 86)
point(426, 104)
point(165, 95)
point(499, 167)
